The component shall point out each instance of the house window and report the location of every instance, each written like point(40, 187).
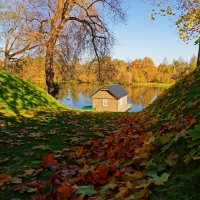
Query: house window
point(105, 102)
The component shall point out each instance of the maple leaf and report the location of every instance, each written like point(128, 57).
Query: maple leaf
point(123, 192)
point(29, 172)
point(136, 175)
point(99, 175)
point(172, 159)
point(85, 190)
point(4, 178)
point(37, 171)
point(118, 173)
point(104, 189)
point(187, 159)
point(159, 180)
point(32, 184)
point(140, 195)
point(31, 190)
point(16, 180)
point(63, 191)
point(49, 159)
point(21, 188)
point(80, 151)
point(101, 171)
point(111, 153)
point(42, 147)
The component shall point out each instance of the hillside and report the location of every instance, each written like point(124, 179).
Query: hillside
point(68, 154)
point(178, 138)
point(180, 100)
point(19, 97)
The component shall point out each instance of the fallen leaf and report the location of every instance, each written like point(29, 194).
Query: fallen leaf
point(63, 191)
point(4, 178)
point(160, 180)
point(31, 190)
point(99, 175)
point(49, 159)
point(21, 188)
point(32, 184)
point(111, 153)
point(16, 180)
point(29, 172)
point(172, 159)
point(123, 192)
point(187, 159)
point(42, 147)
point(80, 151)
point(34, 135)
point(143, 183)
point(99, 134)
point(37, 171)
point(129, 185)
point(28, 154)
point(85, 190)
point(104, 189)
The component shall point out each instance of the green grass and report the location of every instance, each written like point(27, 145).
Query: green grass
point(184, 178)
point(18, 96)
point(179, 104)
point(183, 185)
point(181, 99)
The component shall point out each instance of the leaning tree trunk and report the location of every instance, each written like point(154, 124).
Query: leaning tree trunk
point(6, 61)
point(52, 87)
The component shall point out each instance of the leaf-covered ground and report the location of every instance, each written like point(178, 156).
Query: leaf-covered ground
point(69, 154)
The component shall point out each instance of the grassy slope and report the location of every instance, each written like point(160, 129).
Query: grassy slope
point(182, 101)
point(19, 96)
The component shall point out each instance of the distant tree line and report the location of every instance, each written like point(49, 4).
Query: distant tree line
point(112, 70)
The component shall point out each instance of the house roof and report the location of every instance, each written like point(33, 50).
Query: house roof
point(115, 89)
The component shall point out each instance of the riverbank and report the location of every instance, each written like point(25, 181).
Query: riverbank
point(41, 83)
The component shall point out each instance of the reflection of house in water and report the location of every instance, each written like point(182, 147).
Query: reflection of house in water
point(111, 98)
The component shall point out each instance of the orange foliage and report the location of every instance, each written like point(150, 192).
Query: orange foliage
point(99, 175)
point(80, 151)
point(49, 159)
point(4, 178)
point(63, 191)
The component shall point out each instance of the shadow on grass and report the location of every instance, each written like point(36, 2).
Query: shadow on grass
point(18, 95)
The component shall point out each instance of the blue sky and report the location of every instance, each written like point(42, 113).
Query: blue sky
point(140, 37)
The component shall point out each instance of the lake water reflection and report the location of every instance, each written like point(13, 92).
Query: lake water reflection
point(78, 95)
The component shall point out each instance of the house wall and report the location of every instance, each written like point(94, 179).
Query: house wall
point(97, 102)
point(124, 102)
point(103, 94)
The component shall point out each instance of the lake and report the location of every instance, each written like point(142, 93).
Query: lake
point(78, 95)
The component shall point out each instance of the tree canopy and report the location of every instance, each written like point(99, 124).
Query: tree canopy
point(186, 15)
